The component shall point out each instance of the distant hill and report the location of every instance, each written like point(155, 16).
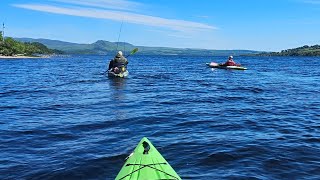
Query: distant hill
point(105, 47)
point(300, 51)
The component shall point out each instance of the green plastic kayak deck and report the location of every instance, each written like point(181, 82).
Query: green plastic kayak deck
point(146, 163)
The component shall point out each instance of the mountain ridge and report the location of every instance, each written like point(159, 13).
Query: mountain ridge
point(104, 47)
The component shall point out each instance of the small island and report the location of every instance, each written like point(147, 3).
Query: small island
point(300, 51)
point(10, 48)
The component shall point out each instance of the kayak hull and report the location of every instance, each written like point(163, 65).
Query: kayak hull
point(146, 163)
point(119, 75)
point(215, 65)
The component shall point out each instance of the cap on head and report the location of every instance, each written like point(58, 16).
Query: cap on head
point(119, 53)
point(230, 57)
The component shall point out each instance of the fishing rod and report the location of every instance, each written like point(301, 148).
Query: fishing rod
point(119, 34)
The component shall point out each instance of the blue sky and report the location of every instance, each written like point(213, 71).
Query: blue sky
point(270, 25)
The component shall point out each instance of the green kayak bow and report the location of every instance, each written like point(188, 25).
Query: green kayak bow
point(146, 163)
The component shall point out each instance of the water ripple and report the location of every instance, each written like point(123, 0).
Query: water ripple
point(64, 119)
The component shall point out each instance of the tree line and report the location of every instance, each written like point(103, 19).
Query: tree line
point(300, 51)
point(11, 47)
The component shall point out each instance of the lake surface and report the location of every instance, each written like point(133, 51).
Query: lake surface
point(63, 118)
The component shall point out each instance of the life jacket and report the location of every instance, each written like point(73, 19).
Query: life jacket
point(230, 63)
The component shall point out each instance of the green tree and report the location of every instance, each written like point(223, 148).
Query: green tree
point(10, 44)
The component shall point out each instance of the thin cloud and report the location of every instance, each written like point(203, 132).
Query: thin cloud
point(107, 4)
point(135, 18)
point(203, 16)
point(180, 36)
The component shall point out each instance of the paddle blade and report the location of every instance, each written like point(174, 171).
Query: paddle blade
point(134, 51)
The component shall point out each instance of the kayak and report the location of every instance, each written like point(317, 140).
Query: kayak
point(120, 75)
point(216, 65)
point(146, 163)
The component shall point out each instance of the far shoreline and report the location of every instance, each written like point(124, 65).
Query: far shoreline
point(23, 57)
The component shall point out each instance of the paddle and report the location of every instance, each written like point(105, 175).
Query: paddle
point(133, 52)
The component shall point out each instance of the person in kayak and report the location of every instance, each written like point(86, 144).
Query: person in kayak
point(118, 62)
point(230, 62)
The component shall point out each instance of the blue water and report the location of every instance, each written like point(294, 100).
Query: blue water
point(63, 118)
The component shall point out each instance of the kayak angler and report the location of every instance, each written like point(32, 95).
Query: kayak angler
point(230, 64)
point(118, 65)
